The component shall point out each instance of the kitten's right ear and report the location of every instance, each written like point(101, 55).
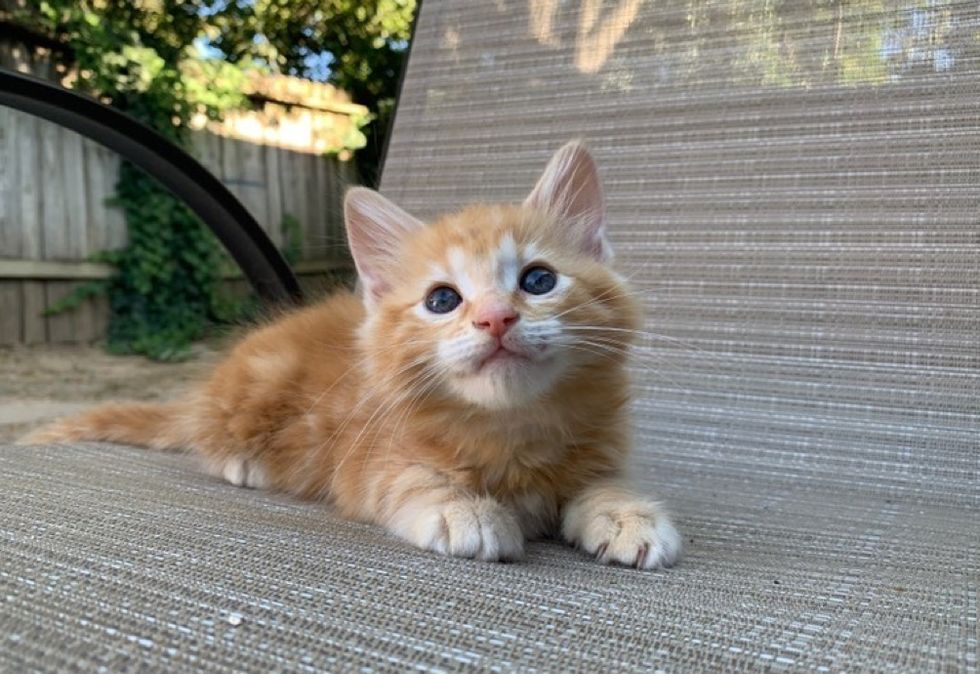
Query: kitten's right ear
point(375, 230)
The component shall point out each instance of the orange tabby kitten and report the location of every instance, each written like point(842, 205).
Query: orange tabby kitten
point(474, 397)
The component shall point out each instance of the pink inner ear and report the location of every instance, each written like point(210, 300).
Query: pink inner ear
point(376, 229)
point(571, 190)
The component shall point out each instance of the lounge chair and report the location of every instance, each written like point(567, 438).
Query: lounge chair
point(794, 190)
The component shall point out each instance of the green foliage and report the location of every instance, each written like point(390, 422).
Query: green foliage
point(140, 56)
point(214, 85)
point(359, 45)
point(74, 299)
point(167, 288)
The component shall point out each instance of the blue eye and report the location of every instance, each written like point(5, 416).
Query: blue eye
point(442, 300)
point(538, 281)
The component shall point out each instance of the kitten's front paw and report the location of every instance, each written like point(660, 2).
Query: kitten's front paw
point(477, 528)
point(239, 472)
point(628, 532)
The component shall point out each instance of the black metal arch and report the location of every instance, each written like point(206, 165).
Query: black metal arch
point(176, 170)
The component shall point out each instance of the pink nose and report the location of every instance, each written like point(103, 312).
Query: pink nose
point(496, 320)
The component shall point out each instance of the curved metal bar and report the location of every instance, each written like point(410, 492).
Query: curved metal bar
point(176, 170)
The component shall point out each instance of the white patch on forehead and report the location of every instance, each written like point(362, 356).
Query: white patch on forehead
point(531, 253)
point(507, 264)
point(459, 270)
point(437, 272)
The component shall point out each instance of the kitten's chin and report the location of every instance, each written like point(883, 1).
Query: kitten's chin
point(508, 383)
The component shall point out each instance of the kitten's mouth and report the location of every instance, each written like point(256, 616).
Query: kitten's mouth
point(499, 355)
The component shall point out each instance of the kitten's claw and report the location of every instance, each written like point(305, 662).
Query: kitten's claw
point(641, 555)
point(624, 532)
point(638, 542)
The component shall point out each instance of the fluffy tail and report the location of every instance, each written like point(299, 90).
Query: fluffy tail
point(157, 426)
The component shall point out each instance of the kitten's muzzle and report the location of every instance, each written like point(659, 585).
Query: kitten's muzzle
point(496, 319)
point(500, 353)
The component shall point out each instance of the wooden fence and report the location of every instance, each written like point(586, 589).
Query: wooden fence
point(53, 216)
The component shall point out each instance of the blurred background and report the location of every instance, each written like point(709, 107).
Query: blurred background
point(286, 101)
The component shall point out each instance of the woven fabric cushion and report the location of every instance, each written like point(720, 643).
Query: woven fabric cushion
point(125, 559)
point(793, 188)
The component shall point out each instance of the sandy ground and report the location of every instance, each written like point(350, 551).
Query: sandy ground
point(41, 383)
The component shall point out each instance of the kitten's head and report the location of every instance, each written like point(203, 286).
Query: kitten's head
point(494, 304)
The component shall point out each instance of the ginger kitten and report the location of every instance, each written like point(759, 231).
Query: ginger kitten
point(474, 397)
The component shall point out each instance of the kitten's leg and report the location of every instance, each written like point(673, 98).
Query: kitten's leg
point(609, 521)
point(422, 506)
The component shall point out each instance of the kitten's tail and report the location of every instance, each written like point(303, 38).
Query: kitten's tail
point(163, 426)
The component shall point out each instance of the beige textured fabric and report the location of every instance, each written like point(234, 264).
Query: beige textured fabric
point(129, 560)
point(793, 186)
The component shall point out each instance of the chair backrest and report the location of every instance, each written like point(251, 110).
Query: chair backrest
point(795, 189)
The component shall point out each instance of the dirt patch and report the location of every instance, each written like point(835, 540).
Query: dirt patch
point(38, 384)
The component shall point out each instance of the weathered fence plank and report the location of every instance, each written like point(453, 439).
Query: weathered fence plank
point(101, 168)
point(273, 190)
point(26, 131)
point(292, 189)
point(315, 220)
point(63, 326)
point(53, 216)
point(34, 303)
point(207, 149)
point(8, 241)
point(11, 323)
point(75, 196)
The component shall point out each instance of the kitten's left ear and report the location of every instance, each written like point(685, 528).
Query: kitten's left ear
point(571, 191)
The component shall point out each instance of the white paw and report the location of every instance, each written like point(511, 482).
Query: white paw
point(240, 472)
point(630, 533)
point(477, 528)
